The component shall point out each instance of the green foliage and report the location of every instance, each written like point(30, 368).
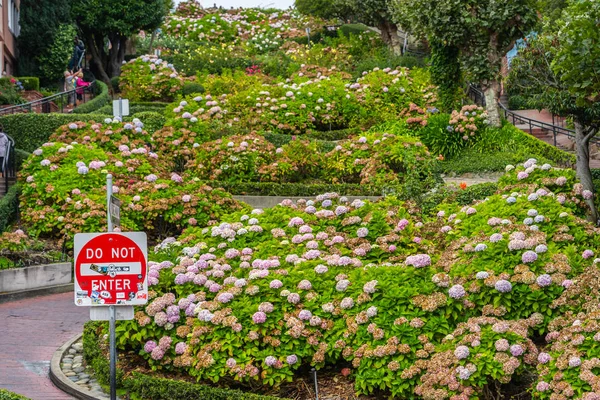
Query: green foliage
point(143, 79)
point(149, 387)
point(483, 30)
point(20, 157)
point(517, 102)
point(6, 395)
point(577, 51)
point(102, 98)
point(191, 88)
point(29, 82)
point(9, 207)
point(114, 81)
point(40, 21)
point(53, 61)
point(9, 94)
point(30, 131)
point(307, 190)
point(446, 74)
point(142, 385)
point(152, 121)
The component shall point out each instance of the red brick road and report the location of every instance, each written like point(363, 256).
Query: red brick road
point(30, 332)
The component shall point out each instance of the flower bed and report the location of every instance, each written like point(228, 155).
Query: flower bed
point(441, 306)
point(148, 78)
point(64, 184)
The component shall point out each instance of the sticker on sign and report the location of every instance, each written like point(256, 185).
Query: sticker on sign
point(111, 269)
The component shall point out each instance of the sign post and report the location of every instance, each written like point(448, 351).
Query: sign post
point(111, 275)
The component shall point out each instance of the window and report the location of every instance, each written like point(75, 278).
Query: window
point(13, 18)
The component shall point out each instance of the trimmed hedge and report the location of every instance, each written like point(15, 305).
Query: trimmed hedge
point(102, 98)
point(148, 387)
point(6, 395)
point(303, 189)
point(30, 82)
point(152, 120)
point(9, 207)
point(462, 197)
point(134, 108)
point(30, 131)
point(536, 146)
point(279, 140)
point(20, 157)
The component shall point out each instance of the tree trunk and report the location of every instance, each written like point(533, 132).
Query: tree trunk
point(491, 91)
point(98, 60)
point(385, 34)
point(395, 43)
point(152, 39)
point(583, 135)
point(116, 55)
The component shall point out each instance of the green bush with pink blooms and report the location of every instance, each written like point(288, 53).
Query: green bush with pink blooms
point(448, 305)
point(149, 78)
point(64, 189)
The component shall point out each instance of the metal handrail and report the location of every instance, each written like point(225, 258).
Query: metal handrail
point(479, 99)
point(9, 163)
point(28, 107)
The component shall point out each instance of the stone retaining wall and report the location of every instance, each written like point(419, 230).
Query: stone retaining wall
point(37, 276)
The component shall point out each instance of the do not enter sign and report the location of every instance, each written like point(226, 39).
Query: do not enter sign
point(111, 268)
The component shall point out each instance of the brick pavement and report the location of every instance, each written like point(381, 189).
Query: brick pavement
point(30, 332)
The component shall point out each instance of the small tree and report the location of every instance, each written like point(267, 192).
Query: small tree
point(576, 63)
point(106, 26)
point(483, 30)
point(369, 12)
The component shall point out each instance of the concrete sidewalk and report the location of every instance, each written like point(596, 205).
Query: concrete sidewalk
point(30, 331)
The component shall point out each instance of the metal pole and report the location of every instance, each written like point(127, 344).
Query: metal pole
point(120, 108)
point(113, 354)
point(108, 196)
point(111, 309)
point(314, 372)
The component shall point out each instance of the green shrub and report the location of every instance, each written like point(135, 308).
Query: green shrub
point(152, 121)
point(192, 88)
point(134, 108)
point(30, 131)
point(9, 207)
point(102, 98)
point(114, 82)
point(518, 102)
point(303, 189)
point(538, 147)
point(151, 388)
point(8, 93)
point(144, 386)
point(462, 197)
point(20, 155)
point(30, 82)
point(6, 395)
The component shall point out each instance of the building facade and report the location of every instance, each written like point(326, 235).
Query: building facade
point(9, 31)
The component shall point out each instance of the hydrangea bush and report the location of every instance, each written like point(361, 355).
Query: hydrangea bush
point(441, 307)
point(148, 78)
point(64, 184)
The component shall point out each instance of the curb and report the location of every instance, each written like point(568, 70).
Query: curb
point(25, 294)
point(60, 380)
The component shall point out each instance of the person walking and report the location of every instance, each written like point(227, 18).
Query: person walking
point(4, 143)
point(78, 52)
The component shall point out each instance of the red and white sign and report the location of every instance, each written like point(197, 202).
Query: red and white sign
point(111, 269)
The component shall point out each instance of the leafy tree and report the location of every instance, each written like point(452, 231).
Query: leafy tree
point(53, 61)
point(544, 73)
point(40, 21)
point(106, 26)
point(483, 30)
point(446, 74)
point(576, 63)
point(369, 12)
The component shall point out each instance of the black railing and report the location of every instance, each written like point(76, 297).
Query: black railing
point(9, 165)
point(478, 98)
point(59, 101)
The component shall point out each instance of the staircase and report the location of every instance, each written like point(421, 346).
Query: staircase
point(3, 187)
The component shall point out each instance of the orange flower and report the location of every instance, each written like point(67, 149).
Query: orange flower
point(441, 157)
point(463, 185)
